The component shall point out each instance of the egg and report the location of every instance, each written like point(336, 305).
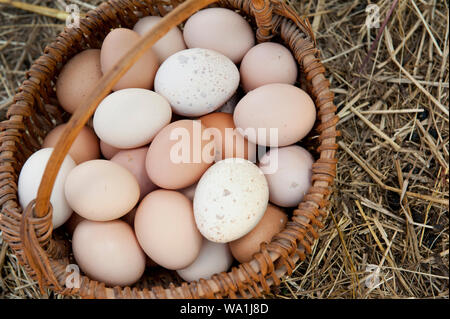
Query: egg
point(101, 190)
point(30, 179)
point(115, 45)
point(272, 223)
point(266, 63)
point(85, 147)
point(178, 155)
point(78, 78)
point(131, 118)
point(169, 44)
point(197, 81)
point(214, 258)
point(228, 142)
point(134, 161)
point(107, 150)
point(288, 171)
point(275, 115)
point(230, 199)
point(165, 228)
point(221, 30)
point(189, 191)
point(108, 252)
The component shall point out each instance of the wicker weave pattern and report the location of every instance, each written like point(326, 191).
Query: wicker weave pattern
point(30, 118)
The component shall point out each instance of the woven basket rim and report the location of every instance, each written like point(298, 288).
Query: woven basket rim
point(274, 260)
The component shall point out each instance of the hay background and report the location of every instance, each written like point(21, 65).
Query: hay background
point(371, 224)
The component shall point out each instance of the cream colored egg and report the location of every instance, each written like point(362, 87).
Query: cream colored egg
point(214, 258)
point(197, 81)
point(108, 252)
point(30, 180)
point(230, 199)
point(169, 44)
point(131, 118)
point(101, 190)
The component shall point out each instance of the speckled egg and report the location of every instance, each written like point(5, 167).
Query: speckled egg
point(230, 199)
point(197, 81)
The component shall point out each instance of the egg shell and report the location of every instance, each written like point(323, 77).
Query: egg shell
point(197, 81)
point(229, 143)
point(266, 63)
point(115, 45)
point(77, 79)
point(108, 252)
point(230, 199)
point(85, 147)
point(30, 179)
point(189, 191)
point(107, 150)
point(275, 115)
point(178, 156)
point(169, 44)
point(272, 223)
point(230, 105)
point(101, 190)
point(129, 217)
point(134, 161)
point(214, 258)
point(221, 30)
point(165, 228)
point(288, 171)
point(131, 118)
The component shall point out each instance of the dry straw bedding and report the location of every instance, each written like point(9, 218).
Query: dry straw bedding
point(387, 234)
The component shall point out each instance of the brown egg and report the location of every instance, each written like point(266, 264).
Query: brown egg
point(134, 161)
point(272, 222)
point(166, 229)
point(178, 155)
point(107, 150)
point(116, 44)
point(78, 78)
point(221, 30)
point(229, 143)
point(108, 252)
point(84, 148)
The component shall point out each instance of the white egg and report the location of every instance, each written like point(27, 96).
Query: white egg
point(30, 179)
point(197, 81)
point(230, 199)
point(131, 118)
point(214, 258)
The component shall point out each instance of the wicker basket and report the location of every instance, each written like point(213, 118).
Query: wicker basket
point(46, 254)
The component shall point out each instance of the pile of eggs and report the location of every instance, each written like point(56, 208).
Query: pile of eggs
point(166, 173)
